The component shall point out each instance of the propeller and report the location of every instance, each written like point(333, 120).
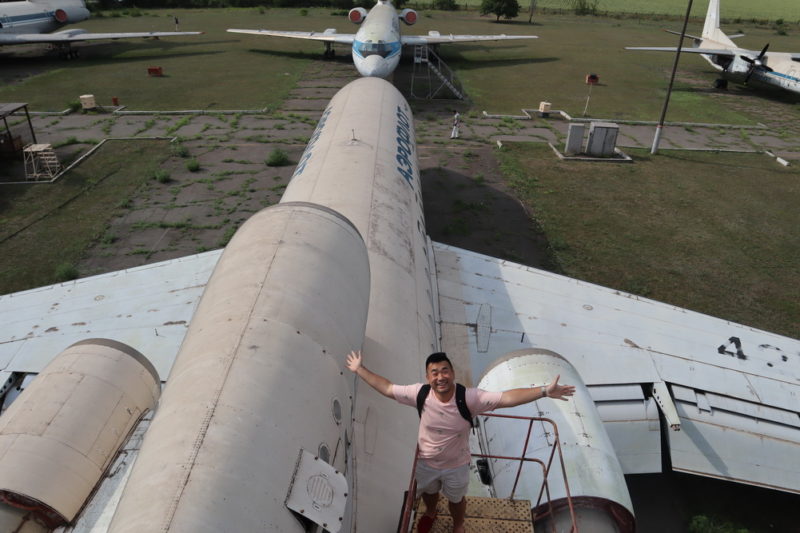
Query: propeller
point(757, 63)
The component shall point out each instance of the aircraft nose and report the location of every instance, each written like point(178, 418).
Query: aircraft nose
point(374, 66)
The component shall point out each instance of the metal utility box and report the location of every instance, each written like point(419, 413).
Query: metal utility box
point(602, 139)
point(575, 138)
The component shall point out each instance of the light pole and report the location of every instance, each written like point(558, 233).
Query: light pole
point(660, 126)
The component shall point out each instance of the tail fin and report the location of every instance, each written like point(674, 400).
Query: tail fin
point(711, 30)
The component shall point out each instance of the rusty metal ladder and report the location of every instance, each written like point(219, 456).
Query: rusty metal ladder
point(497, 515)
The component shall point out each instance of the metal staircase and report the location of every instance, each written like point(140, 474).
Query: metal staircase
point(495, 515)
point(427, 66)
point(41, 162)
point(500, 515)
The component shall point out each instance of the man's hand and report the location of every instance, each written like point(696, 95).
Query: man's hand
point(559, 392)
point(353, 361)
point(377, 382)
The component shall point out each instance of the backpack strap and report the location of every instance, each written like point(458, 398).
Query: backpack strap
point(422, 395)
point(461, 401)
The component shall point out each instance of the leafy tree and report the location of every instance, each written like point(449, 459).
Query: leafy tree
point(505, 8)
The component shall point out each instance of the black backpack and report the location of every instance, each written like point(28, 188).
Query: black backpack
point(461, 401)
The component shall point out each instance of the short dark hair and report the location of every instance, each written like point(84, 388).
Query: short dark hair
point(437, 357)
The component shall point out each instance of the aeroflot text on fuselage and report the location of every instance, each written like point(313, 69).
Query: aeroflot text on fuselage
point(301, 165)
point(405, 147)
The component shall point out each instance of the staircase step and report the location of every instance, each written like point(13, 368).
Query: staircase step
point(490, 515)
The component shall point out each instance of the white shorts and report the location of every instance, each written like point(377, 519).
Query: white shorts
point(452, 482)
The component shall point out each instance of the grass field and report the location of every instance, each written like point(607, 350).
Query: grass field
point(221, 70)
point(723, 226)
point(46, 229)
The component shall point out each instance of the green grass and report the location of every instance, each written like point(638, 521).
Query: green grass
point(506, 77)
point(716, 233)
point(217, 70)
point(771, 9)
point(220, 70)
point(70, 214)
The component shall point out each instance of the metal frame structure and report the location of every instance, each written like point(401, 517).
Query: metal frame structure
point(424, 54)
point(7, 110)
point(41, 162)
point(408, 502)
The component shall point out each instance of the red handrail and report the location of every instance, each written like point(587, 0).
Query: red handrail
point(408, 503)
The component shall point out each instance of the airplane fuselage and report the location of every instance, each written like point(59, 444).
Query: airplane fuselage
point(36, 17)
point(376, 48)
point(785, 72)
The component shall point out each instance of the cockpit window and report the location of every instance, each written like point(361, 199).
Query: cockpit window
point(369, 49)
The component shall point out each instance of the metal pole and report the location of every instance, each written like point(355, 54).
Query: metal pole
point(30, 124)
point(660, 126)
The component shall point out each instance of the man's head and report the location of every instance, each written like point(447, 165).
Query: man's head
point(439, 373)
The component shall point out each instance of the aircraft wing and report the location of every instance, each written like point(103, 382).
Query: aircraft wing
point(708, 51)
point(77, 35)
point(434, 37)
point(732, 389)
point(329, 35)
point(148, 308)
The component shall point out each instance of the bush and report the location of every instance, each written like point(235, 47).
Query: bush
point(74, 107)
point(193, 165)
point(304, 12)
point(180, 150)
point(162, 176)
point(66, 272)
point(278, 158)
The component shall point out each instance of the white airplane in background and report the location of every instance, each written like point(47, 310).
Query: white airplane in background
point(261, 427)
point(29, 22)
point(774, 69)
point(377, 45)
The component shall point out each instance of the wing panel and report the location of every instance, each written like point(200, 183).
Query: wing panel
point(148, 308)
point(343, 38)
point(436, 38)
point(737, 448)
point(734, 405)
point(735, 388)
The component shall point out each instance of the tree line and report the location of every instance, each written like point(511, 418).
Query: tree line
point(499, 8)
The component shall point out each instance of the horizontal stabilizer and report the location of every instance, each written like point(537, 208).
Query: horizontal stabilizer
point(731, 389)
point(328, 35)
point(708, 51)
point(76, 35)
point(435, 37)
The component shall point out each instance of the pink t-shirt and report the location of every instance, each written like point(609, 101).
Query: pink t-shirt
point(443, 432)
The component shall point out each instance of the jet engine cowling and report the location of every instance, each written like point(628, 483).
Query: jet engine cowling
point(70, 14)
point(357, 15)
point(409, 16)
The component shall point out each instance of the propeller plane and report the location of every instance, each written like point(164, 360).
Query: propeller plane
point(773, 69)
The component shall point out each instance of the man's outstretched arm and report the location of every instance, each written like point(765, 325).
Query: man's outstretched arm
point(377, 382)
point(514, 397)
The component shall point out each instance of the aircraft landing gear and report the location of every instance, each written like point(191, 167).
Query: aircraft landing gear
point(68, 53)
point(721, 83)
point(329, 53)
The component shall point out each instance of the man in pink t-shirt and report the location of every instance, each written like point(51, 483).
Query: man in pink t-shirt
point(444, 454)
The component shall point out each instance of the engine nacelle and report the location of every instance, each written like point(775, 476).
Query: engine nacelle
point(409, 16)
point(357, 15)
point(70, 14)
